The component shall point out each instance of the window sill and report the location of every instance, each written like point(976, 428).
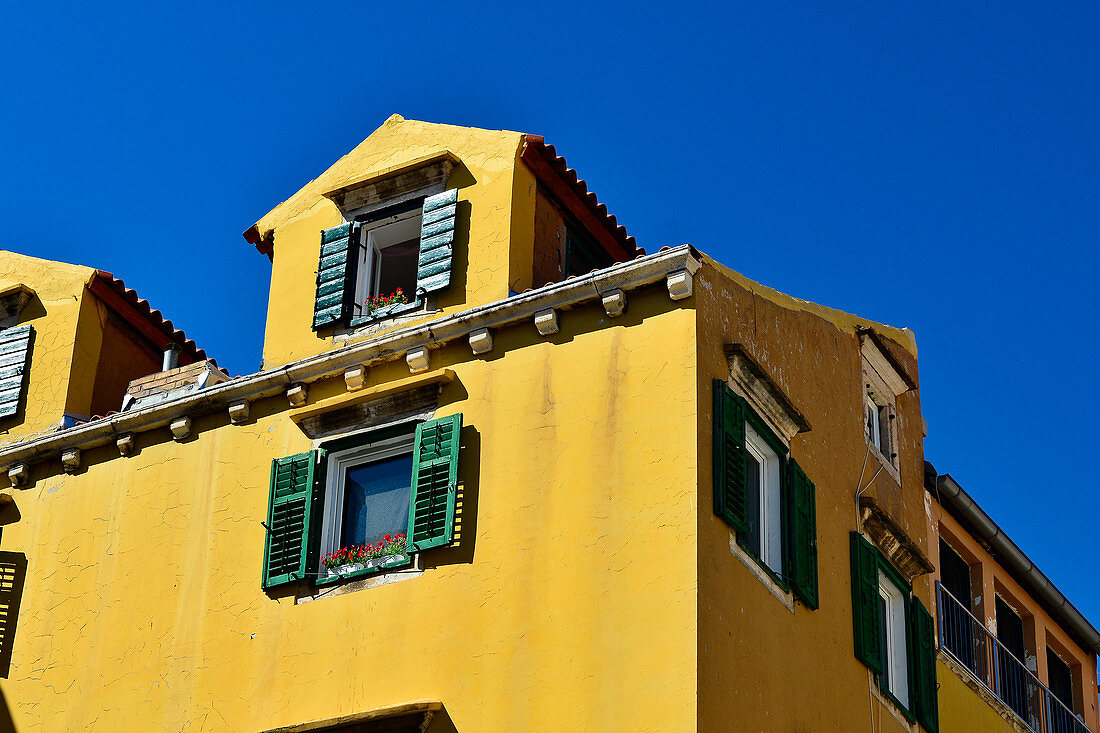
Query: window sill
point(388, 312)
point(365, 572)
point(891, 703)
point(774, 584)
point(886, 462)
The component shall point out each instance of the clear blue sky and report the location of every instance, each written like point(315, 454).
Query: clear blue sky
point(930, 165)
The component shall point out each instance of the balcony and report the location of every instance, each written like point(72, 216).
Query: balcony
point(967, 641)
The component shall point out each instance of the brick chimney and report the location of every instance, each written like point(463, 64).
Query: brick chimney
point(172, 383)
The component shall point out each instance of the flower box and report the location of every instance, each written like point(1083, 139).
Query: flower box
point(375, 562)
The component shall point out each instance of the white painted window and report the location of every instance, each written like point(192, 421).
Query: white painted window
point(388, 254)
point(895, 663)
point(367, 491)
point(765, 535)
point(878, 425)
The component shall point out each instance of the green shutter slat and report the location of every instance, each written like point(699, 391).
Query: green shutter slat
point(434, 483)
point(15, 353)
point(729, 457)
point(331, 235)
point(289, 512)
point(440, 200)
point(436, 239)
point(803, 541)
point(445, 212)
point(865, 610)
point(922, 644)
point(336, 267)
point(434, 255)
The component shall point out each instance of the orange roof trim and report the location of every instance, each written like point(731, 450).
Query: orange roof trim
point(138, 313)
point(552, 170)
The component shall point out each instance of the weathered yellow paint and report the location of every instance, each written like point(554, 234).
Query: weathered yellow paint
point(83, 355)
point(144, 572)
point(962, 710)
point(57, 379)
point(494, 189)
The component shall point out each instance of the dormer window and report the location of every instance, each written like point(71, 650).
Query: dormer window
point(399, 235)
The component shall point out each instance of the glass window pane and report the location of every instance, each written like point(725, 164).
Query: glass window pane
point(397, 268)
point(752, 502)
point(376, 500)
point(884, 640)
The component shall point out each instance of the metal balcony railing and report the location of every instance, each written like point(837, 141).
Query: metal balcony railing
point(966, 639)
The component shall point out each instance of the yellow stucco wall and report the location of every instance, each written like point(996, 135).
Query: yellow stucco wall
point(569, 601)
point(962, 710)
point(496, 197)
point(54, 313)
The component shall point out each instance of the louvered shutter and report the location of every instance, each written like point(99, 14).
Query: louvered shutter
point(437, 234)
point(290, 509)
point(923, 649)
point(865, 603)
point(803, 534)
point(336, 272)
point(15, 350)
point(730, 477)
point(434, 483)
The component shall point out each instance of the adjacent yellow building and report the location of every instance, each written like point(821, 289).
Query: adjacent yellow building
point(502, 471)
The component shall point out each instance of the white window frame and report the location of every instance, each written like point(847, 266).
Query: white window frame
point(895, 657)
point(376, 236)
point(874, 425)
point(337, 464)
point(771, 504)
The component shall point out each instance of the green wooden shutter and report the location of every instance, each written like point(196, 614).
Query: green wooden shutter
point(15, 350)
point(437, 234)
point(289, 512)
point(434, 483)
point(336, 275)
point(803, 534)
point(729, 457)
point(923, 649)
point(865, 602)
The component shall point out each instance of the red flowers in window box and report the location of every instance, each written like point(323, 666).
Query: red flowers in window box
point(386, 548)
point(384, 301)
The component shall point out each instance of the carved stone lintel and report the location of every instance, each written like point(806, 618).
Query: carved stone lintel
point(181, 427)
point(417, 359)
point(481, 341)
point(355, 377)
point(546, 321)
point(766, 397)
point(892, 541)
point(614, 302)
point(125, 444)
point(70, 460)
point(679, 284)
point(297, 395)
point(19, 475)
point(239, 411)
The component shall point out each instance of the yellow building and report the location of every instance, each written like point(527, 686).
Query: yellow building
point(502, 471)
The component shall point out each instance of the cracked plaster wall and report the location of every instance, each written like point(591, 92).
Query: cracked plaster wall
point(568, 600)
point(54, 313)
point(493, 241)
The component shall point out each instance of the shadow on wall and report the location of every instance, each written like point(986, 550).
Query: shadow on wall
point(7, 725)
point(13, 572)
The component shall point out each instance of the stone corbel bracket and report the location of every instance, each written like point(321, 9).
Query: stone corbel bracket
point(70, 460)
point(680, 283)
point(19, 475)
point(892, 541)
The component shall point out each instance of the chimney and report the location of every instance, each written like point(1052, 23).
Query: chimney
point(173, 382)
point(171, 357)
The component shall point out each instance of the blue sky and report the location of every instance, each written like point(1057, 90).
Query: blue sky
point(933, 165)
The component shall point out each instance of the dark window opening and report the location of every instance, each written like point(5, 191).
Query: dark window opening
point(581, 257)
point(396, 268)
